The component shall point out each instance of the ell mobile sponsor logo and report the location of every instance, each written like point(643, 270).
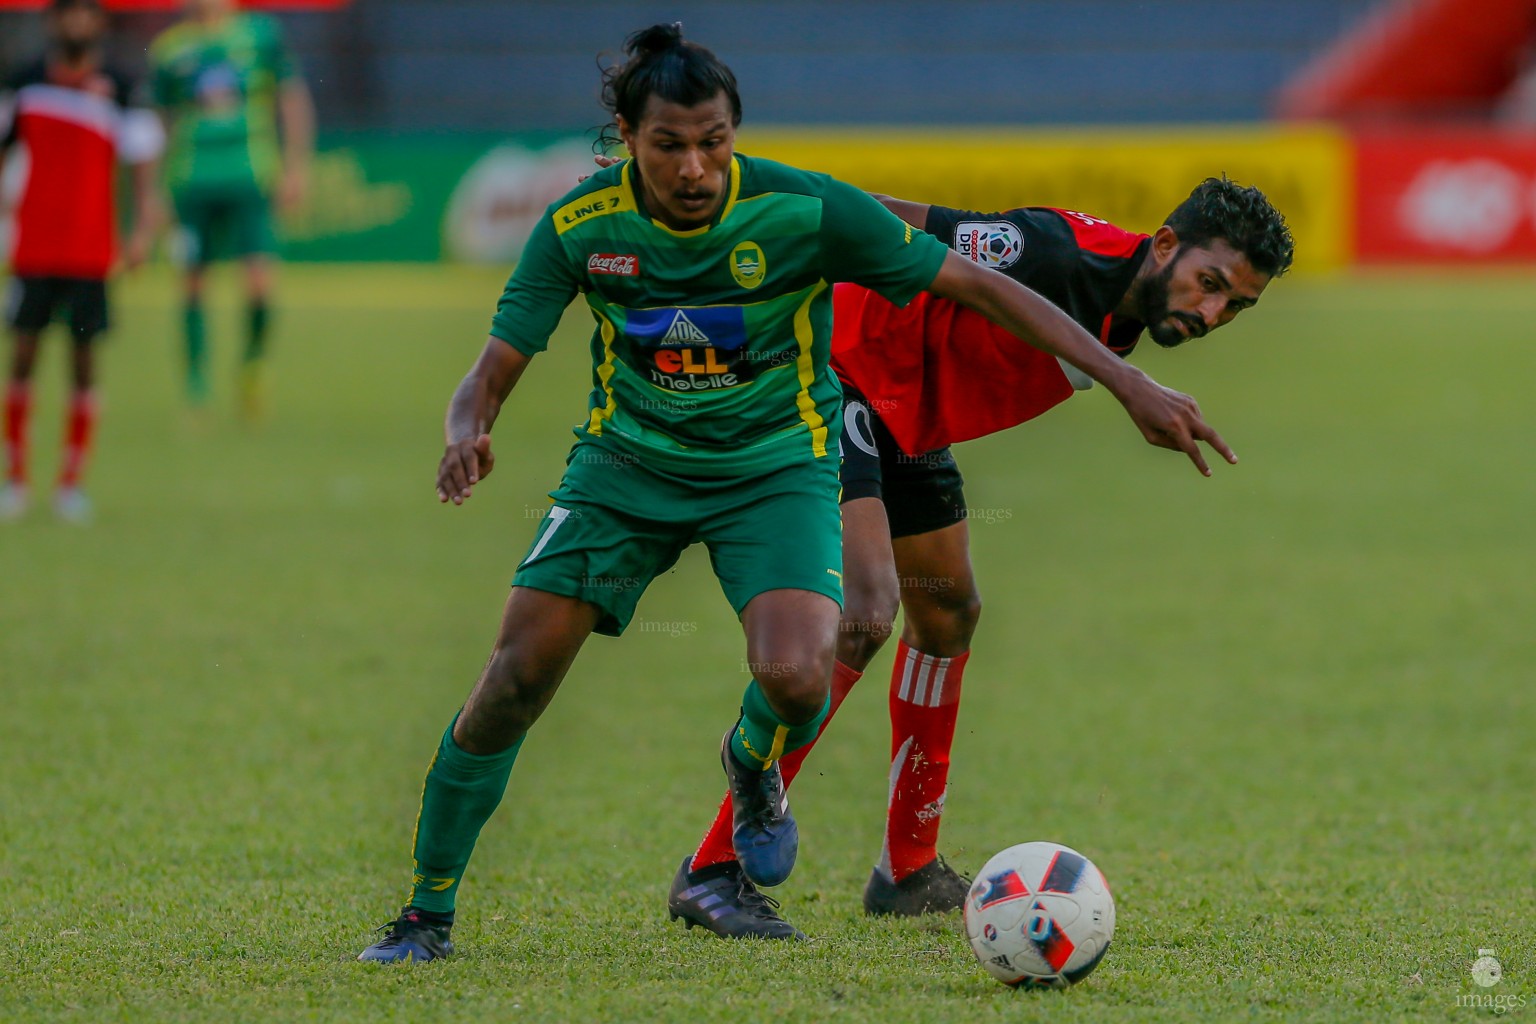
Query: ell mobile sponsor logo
point(619, 264)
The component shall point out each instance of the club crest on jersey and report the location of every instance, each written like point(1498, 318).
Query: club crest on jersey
point(618, 264)
point(748, 266)
point(992, 243)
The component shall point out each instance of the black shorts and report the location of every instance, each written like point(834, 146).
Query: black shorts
point(922, 493)
point(32, 303)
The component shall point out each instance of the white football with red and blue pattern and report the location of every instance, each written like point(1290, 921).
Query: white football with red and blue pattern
point(1040, 915)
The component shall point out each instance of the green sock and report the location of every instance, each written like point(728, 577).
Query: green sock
point(762, 737)
point(461, 791)
point(195, 333)
point(256, 318)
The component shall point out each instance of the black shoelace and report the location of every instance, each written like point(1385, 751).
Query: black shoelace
point(770, 797)
point(759, 903)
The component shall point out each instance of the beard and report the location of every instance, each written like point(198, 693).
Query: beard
point(1152, 301)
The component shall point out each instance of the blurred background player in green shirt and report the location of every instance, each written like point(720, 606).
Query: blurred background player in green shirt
point(241, 126)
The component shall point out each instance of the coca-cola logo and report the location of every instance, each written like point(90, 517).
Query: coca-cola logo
point(622, 264)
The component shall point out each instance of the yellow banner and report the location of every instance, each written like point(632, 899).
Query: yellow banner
point(1132, 177)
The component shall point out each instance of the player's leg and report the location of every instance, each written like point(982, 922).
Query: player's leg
point(255, 242)
point(29, 306)
point(791, 637)
point(540, 636)
point(195, 215)
point(940, 606)
point(87, 321)
point(194, 325)
point(788, 595)
point(258, 286)
point(872, 596)
point(196, 218)
point(585, 570)
point(870, 593)
point(925, 500)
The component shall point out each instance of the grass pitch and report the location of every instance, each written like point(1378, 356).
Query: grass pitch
point(1288, 709)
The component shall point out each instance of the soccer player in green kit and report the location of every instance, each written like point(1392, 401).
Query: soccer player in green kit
point(713, 417)
point(223, 81)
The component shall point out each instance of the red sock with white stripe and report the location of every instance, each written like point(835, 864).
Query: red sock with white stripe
point(925, 697)
point(79, 429)
point(18, 408)
point(716, 847)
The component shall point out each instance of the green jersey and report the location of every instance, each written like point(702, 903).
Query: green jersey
point(710, 356)
point(219, 89)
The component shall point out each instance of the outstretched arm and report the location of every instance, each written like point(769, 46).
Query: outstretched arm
point(472, 412)
point(1165, 418)
point(915, 214)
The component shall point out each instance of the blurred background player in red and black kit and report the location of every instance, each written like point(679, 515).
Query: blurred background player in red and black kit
point(76, 119)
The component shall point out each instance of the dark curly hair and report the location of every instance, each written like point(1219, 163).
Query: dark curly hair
point(662, 63)
point(1240, 215)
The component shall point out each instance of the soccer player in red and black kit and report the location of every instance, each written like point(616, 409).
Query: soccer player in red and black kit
point(75, 117)
point(919, 378)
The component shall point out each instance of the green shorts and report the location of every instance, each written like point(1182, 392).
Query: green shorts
point(224, 223)
point(615, 525)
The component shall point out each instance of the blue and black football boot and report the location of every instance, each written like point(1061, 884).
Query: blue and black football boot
point(722, 900)
point(764, 834)
point(412, 937)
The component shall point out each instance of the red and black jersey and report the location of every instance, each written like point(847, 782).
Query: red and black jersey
point(75, 127)
point(942, 373)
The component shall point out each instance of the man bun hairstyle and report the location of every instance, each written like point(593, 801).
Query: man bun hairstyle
point(662, 63)
point(1240, 215)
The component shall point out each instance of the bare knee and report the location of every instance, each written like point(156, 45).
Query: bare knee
point(507, 699)
point(513, 690)
point(796, 679)
point(23, 356)
point(868, 620)
point(941, 623)
point(83, 366)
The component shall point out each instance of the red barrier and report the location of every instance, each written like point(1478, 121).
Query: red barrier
point(1445, 197)
point(1412, 58)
